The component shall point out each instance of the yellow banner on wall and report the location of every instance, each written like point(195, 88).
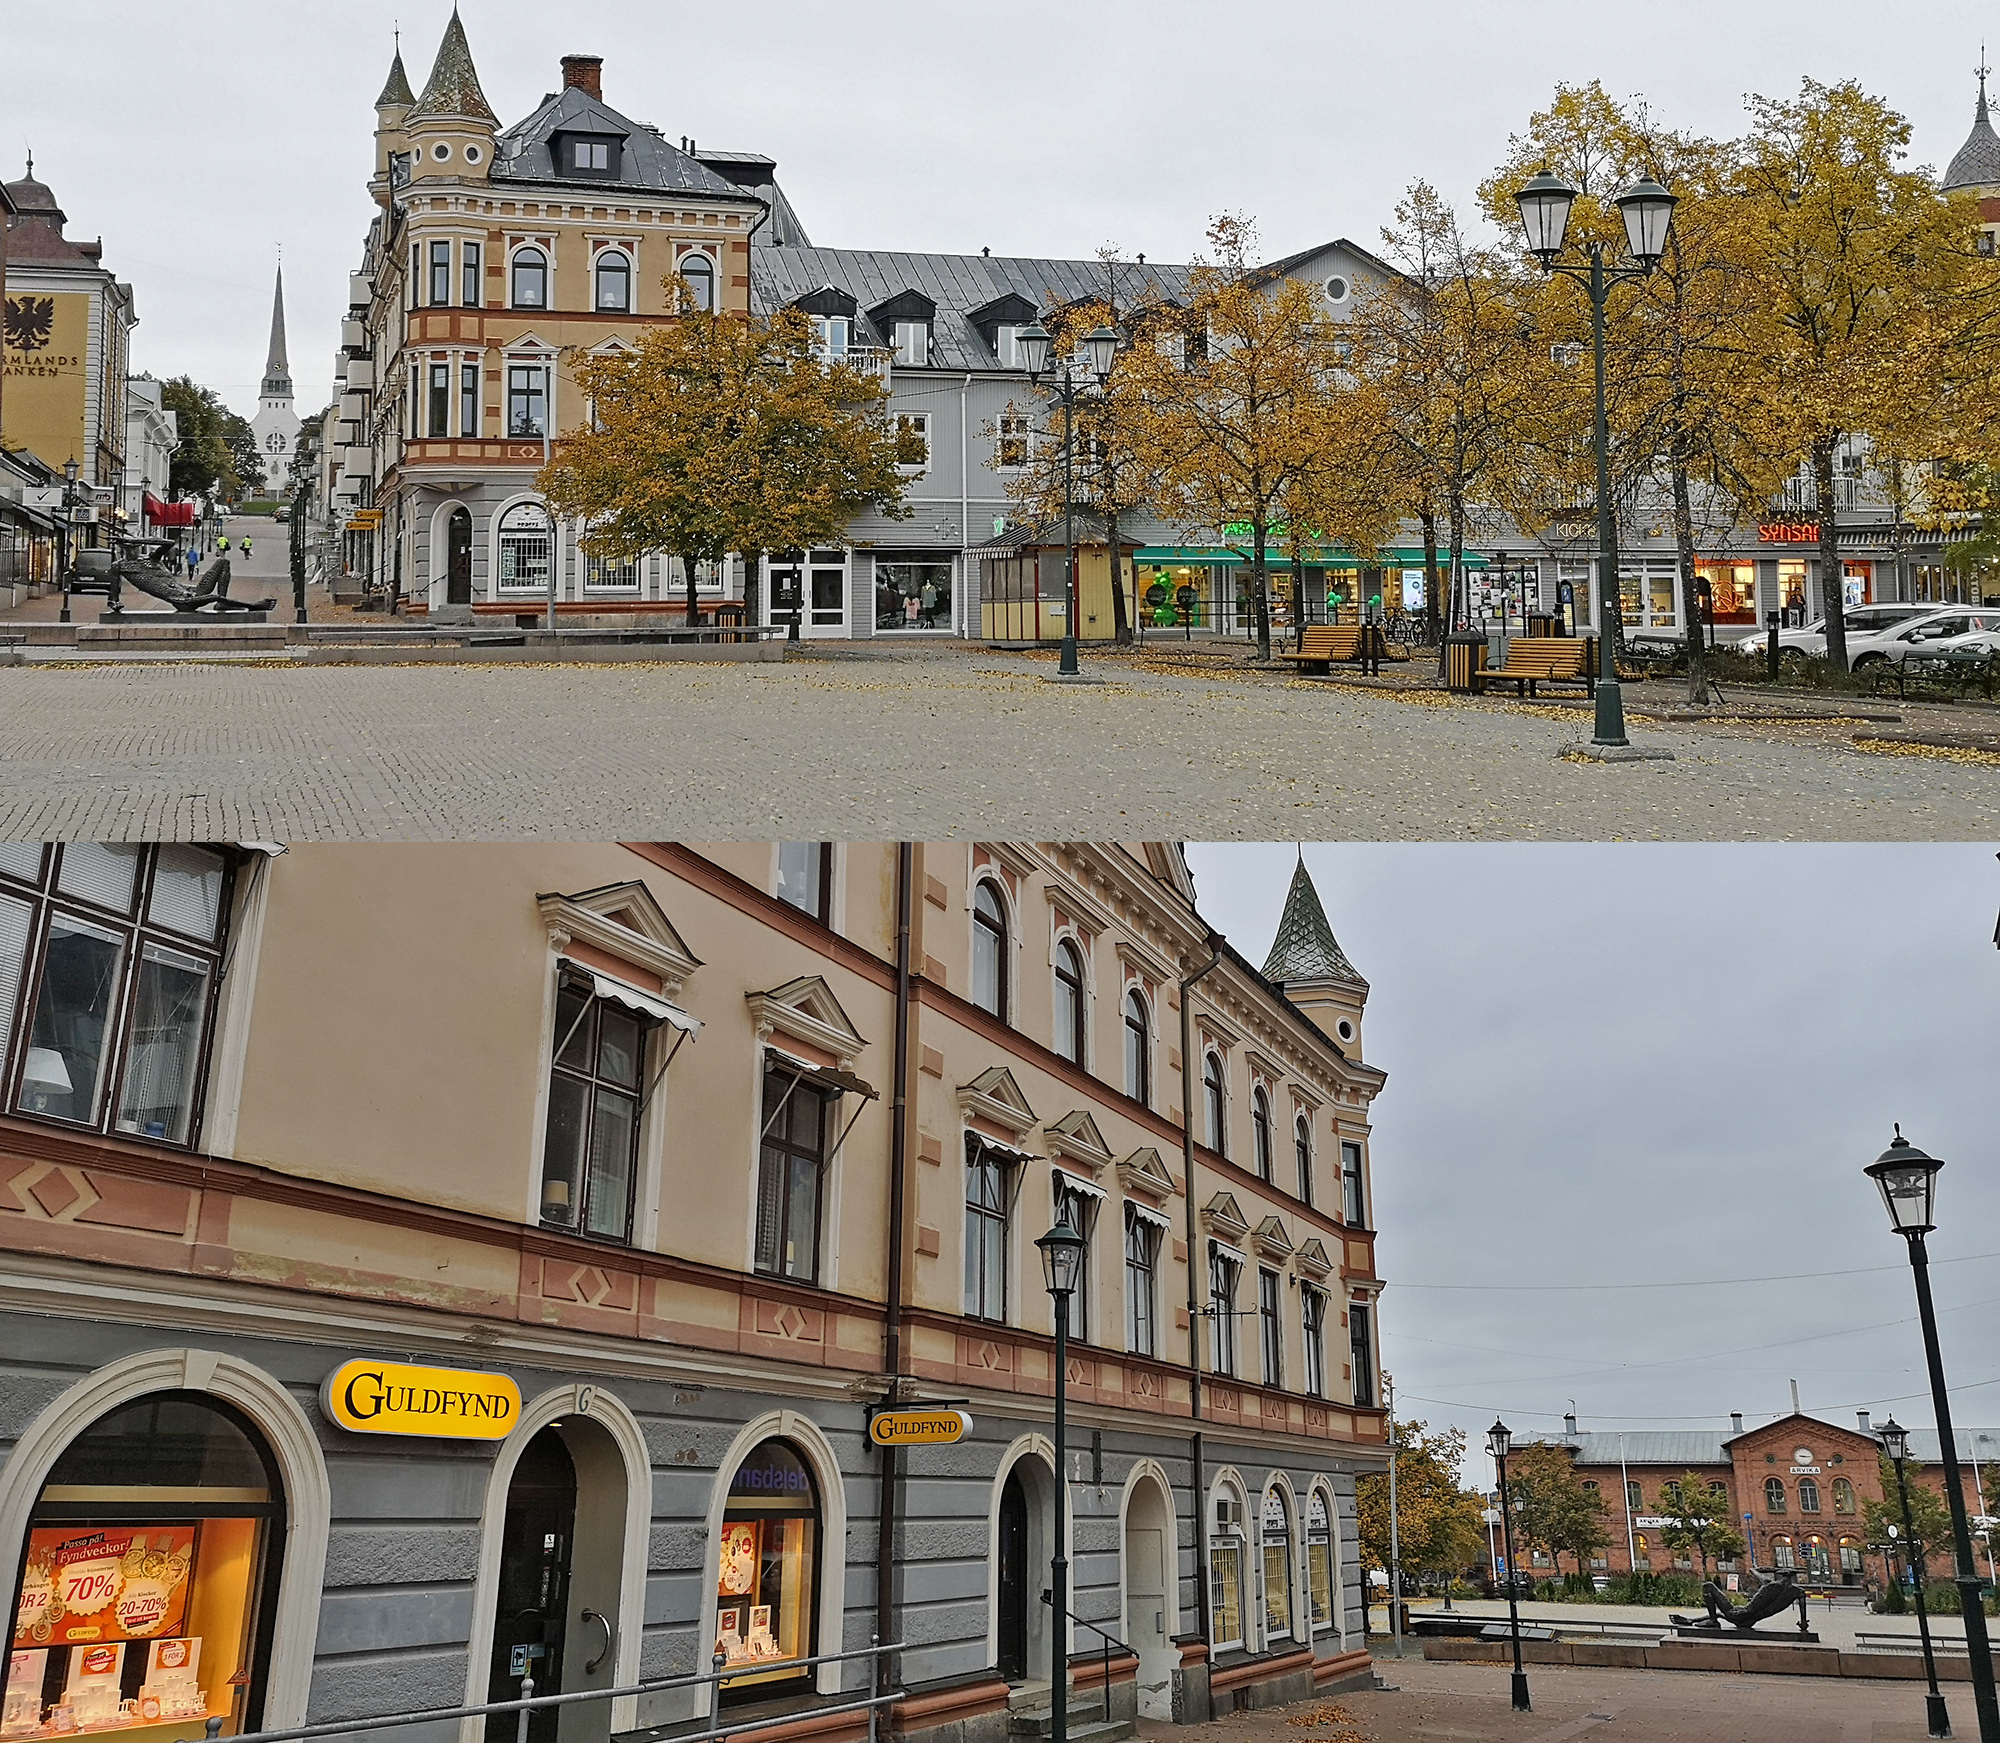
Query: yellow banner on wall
point(398, 1398)
point(46, 362)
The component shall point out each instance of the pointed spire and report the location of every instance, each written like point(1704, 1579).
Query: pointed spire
point(1305, 948)
point(277, 371)
point(396, 91)
point(1977, 163)
point(1982, 69)
point(454, 82)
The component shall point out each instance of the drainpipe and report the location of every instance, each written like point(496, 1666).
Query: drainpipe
point(885, 1558)
point(965, 510)
point(1194, 1290)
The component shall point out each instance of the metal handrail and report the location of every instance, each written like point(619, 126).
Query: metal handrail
point(1110, 1640)
point(535, 1703)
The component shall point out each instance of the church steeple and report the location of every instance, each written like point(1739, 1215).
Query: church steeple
point(277, 371)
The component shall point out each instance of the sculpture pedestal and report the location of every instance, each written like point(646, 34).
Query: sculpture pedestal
point(1740, 1637)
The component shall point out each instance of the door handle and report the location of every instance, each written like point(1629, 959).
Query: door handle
point(609, 1636)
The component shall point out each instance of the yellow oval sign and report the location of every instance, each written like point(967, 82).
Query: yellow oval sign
point(397, 1398)
point(918, 1427)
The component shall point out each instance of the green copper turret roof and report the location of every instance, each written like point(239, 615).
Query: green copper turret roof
point(1305, 947)
point(454, 85)
point(397, 89)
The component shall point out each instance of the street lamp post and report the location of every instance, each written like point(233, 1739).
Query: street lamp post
point(1648, 211)
point(68, 532)
point(1908, 1181)
point(1062, 1268)
point(1896, 1443)
point(1499, 1439)
point(1100, 346)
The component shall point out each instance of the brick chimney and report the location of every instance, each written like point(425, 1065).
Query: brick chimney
point(583, 71)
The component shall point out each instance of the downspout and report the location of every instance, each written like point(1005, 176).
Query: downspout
point(1194, 1292)
point(965, 507)
point(885, 1557)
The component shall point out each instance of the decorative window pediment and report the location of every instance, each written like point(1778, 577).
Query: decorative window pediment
point(994, 1096)
point(807, 1010)
point(625, 921)
point(1150, 964)
point(1011, 854)
point(1222, 1217)
point(1223, 1034)
point(1144, 1175)
point(1271, 1239)
point(1083, 911)
point(1312, 1258)
point(1265, 1066)
point(1076, 1138)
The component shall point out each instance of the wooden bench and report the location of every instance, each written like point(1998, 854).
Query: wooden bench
point(1323, 643)
point(1533, 660)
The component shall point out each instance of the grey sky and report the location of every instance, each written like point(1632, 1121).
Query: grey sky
point(1651, 1065)
point(196, 137)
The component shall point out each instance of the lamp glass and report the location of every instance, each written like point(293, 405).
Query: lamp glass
point(1908, 1181)
point(1499, 1439)
point(1032, 345)
point(1101, 346)
point(1545, 205)
point(1895, 1440)
point(1062, 1259)
point(1648, 211)
point(69, 469)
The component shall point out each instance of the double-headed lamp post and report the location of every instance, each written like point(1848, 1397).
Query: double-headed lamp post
point(1648, 211)
point(1499, 1442)
point(1062, 1270)
point(1908, 1180)
point(1896, 1443)
point(1100, 346)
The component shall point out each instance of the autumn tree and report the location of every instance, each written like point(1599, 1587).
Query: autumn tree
point(1438, 1527)
point(1930, 1515)
point(216, 453)
point(1698, 1518)
point(1552, 1509)
point(717, 434)
point(1878, 312)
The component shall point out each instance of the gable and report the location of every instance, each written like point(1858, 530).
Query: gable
point(624, 920)
point(807, 1010)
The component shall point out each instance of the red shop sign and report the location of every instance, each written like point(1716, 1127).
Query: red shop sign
point(1788, 532)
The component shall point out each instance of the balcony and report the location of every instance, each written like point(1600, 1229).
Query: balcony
point(873, 361)
point(357, 462)
point(360, 290)
point(360, 372)
point(353, 406)
point(354, 335)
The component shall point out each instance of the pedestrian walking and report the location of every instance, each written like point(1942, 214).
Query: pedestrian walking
point(222, 544)
point(193, 561)
point(246, 547)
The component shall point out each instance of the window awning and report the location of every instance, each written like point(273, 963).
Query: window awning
point(1146, 1213)
point(1008, 1151)
point(645, 1003)
point(168, 514)
point(1276, 557)
point(822, 1076)
point(1076, 1183)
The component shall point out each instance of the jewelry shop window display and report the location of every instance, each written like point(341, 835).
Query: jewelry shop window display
point(1319, 1560)
point(143, 1601)
point(765, 1583)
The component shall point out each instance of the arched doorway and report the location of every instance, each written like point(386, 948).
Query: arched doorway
point(1023, 1518)
point(458, 557)
point(1012, 1564)
point(557, 1608)
point(149, 1581)
point(1151, 1601)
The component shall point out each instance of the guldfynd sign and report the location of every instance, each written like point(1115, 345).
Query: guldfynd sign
point(398, 1398)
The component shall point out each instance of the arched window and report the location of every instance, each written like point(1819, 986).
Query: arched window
point(1212, 1100)
point(1302, 1151)
point(1319, 1560)
point(524, 549)
point(1260, 1127)
point(1781, 1553)
point(1843, 1495)
point(1225, 1571)
point(1774, 1495)
point(1642, 1554)
point(531, 279)
point(1850, 1559)
point(1138, 1049)
point(1808, 1495)
point(989, 949)
point(1277, 1567)
point(1069, 1001)
point(614, 281)
point(699, 273)
point(173, 1505)
point(767, 1578)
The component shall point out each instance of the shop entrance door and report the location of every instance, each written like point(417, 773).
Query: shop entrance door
point(1013, 1570)
point(458, 558)
point(533, 1607)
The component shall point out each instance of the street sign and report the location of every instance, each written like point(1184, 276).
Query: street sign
point(918, 1427)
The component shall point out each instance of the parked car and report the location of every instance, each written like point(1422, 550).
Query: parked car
point(1810, 641)
point(1941, 631)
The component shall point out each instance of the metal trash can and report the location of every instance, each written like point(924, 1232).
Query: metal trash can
point(1544, 623)
point(1464, 654)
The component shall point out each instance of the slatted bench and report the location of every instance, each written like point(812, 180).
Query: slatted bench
point(1533, 660)
point(1323, 643)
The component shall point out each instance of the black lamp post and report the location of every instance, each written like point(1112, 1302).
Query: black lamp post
point(1908, 1179)
point(1648, 211)
point(1499, 1440)
point(1100, 346)
point(68, 532)
point(1062, 1269)
point(1896, 1443)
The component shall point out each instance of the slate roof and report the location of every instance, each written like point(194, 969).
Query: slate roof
point(454, 84)
point(396, 88)
point(1684, 1447)
point(1305, 947)
point(522, 152)
point(1977, 164)
point(1277, 269)
point(957, 283)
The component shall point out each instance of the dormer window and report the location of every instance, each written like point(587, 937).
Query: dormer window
point(832, 333)
point(593, 156)
point(588, 154)
point(913, 344)
point(832, 313)
point(905, 320)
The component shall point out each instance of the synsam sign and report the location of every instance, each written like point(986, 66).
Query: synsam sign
point(396, 1398)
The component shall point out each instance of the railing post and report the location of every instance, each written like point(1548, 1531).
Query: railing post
point(527, 1694)
point(874, 1680)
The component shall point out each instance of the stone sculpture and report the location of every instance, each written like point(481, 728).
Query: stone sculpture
point(1783, 1593)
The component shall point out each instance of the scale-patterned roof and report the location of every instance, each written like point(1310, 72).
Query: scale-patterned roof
point(396, 88)
point(454, 84)
point(1305, 947)
point(1977, 164)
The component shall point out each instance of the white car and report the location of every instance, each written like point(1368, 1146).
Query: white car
point(1810, 642)
point(1941, 631)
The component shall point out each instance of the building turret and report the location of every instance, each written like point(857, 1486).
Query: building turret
point(451, 126)
point(1307, 964)
point(392, 139)
point(1975, 170)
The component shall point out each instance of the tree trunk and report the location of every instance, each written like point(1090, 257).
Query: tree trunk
point(1429, 521)
point(1455, 529)
point(1260, 589)
point(1830, 577)
point(1692, 637)
point(1298, 598)
point(753, 570)
point(1121, 623)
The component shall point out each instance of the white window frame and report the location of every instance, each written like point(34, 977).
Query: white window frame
point(1013, 427)
point(919, 425)
point(516, 247)
point(624, 253)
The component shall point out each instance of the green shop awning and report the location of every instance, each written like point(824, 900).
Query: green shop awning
point(1231, 557)
point(1188, 556)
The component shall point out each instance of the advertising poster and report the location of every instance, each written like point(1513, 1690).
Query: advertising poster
point(120, 1583)
point(47, 364)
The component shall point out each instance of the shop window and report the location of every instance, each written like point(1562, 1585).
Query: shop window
point(1223, 1271)
point(1319, 1560)
point(1138, 1048)
point(471, 291)
point(1774, 1495)
point(149, 1576)
point(1808, 1495)
point(531, 279)
point(610, 574)
point(1078, 1209)
point(805, 877)
point(791, 1167)
point(1781, 1553)
point(1302, 1153)
point(108, 965)
point(1069, 1024)
point(524, 544)
point(1142, 1260)
point(614, 282)
point(698, 274)
point(1260, 1129)
point(766, 1584)
point(1353, 1196)
point(1361, 1352)
point(989, 949)
point(988, 1198)
point(1850, 1559)
point(1225, 1574)
point(1270, 1340)
point(1277, 1535)
point(1313, 1314)
point(1214, 1103)
point(590, 1160)
point(1843, 1495)
point(912, 596)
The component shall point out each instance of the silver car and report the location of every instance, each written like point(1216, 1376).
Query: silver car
point(1860, 620)
point(1942, 630)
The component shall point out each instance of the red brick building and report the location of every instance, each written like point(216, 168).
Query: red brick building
point(1796, 1488)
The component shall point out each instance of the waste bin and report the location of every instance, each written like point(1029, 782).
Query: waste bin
point(1544, 623)
point(1464, 654)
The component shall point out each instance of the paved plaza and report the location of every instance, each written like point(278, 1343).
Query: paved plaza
point(911, 742)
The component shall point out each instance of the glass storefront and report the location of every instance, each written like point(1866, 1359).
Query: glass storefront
point(1319, 1561)
point(913, 593)
point(148, 1577)
point(812, 584)
point(765, 1583)
point(1733, 588)
point(1277, 1568)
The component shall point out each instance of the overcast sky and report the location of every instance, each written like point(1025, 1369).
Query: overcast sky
point(1631, 1092)
point(197, 137)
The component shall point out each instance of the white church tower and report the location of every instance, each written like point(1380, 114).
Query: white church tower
point(276, 425)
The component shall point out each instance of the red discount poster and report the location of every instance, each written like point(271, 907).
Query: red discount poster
point(126, 1582)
